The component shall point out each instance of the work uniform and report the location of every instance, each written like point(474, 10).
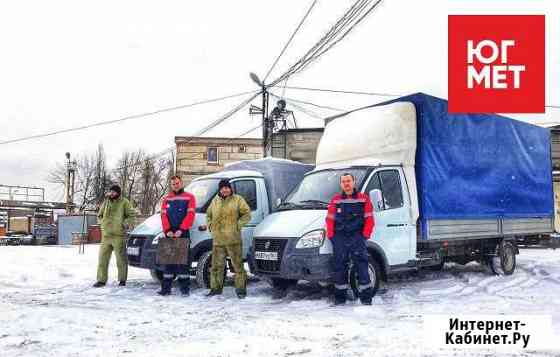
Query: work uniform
point(177, 213)
point(349, 224)
point(112, 215)
point(226, 216)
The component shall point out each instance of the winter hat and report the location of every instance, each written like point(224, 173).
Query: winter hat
point(115, 188)
point(224, 183)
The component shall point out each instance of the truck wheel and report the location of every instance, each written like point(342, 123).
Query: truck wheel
point(282, 284)
point(374, 270)
point(157, 275)
point(203, 268)
point(504, 262)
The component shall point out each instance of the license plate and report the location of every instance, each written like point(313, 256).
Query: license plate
point(266, 255)
point(133, 250)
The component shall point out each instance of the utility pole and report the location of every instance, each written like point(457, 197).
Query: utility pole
point(69, 182)
point(254, 110)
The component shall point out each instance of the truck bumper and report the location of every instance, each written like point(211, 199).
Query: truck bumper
point(297, 264)
point(146, 257)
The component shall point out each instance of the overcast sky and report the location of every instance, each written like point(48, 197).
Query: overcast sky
point(70, 63)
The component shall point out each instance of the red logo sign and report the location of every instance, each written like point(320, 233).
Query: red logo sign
point(496, 64)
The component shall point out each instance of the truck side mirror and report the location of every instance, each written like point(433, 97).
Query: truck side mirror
point(376, 199)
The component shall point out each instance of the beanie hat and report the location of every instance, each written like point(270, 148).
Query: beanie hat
point(224, 183)
point(115, 188)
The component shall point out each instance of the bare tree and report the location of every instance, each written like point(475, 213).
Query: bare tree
point(92, 179)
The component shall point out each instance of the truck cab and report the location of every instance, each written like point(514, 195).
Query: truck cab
point(302, 251)
point(143, 240)
point(249, 179)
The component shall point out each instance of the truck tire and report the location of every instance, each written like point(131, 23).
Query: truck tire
point(203, 268)
point(157, 275)
point(374, 274)
point(504, 262)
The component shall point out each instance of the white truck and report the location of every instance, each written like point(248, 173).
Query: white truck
point(262, 183)
point(444, 188)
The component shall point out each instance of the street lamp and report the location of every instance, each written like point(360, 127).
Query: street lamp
point(256, 79)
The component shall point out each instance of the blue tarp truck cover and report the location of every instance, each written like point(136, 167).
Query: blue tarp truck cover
point(476, 166)
point(458, 166)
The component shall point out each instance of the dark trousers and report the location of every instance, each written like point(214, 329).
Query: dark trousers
point(350, 246)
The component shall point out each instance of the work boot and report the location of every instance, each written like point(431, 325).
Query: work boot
point(214, 292)
point(122, 283)
point(366, 296)
point(99, 284)
point(165, 287)
point(340, 296)
point(184, 286)
point(241, 293)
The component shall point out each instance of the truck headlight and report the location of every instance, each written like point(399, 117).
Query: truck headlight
point(156, 239)
point(313, 239)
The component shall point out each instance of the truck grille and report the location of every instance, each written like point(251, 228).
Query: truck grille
point(270, 245)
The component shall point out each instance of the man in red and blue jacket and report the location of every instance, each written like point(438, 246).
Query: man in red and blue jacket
point(350, 223)
point(177, 217)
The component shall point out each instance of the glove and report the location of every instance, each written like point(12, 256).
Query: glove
point(169, 234)
point(178, 234)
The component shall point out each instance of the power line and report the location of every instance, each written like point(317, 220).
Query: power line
point(202, 131)
point(314, 105)
point(378, 94)
point(351, 18)
point(130, 117)
point(290, 39)
point(248, 131)
point(306, 111)
point(360, 19)
point(232, 139)
point(317, 44)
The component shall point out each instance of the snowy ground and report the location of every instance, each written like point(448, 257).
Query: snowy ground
point(47, 308)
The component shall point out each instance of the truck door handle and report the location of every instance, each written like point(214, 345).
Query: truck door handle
point(396, 225)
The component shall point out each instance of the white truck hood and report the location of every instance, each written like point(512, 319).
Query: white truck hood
point(291, 224)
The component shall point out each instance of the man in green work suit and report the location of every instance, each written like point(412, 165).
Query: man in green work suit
point(113, 213)
point(226, 216)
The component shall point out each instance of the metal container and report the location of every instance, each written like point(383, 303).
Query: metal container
point(73, 223)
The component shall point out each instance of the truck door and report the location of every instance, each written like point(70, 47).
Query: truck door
point(393, 230)
point(247, 188)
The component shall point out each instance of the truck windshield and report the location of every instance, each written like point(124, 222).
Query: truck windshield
point(203, 191)
point(317, 189)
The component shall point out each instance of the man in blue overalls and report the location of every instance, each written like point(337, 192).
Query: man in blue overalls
point(349, 224)
point(177, 217)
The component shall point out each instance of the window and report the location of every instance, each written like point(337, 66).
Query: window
point(212, 155)
point(389, 183)
point(248, 190)
point(203, 191)
point(322, 185)
point(242, 148)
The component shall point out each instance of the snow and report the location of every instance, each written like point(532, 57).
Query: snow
point(49, 309)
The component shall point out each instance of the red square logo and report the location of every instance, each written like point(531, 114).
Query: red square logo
point(496, 63)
